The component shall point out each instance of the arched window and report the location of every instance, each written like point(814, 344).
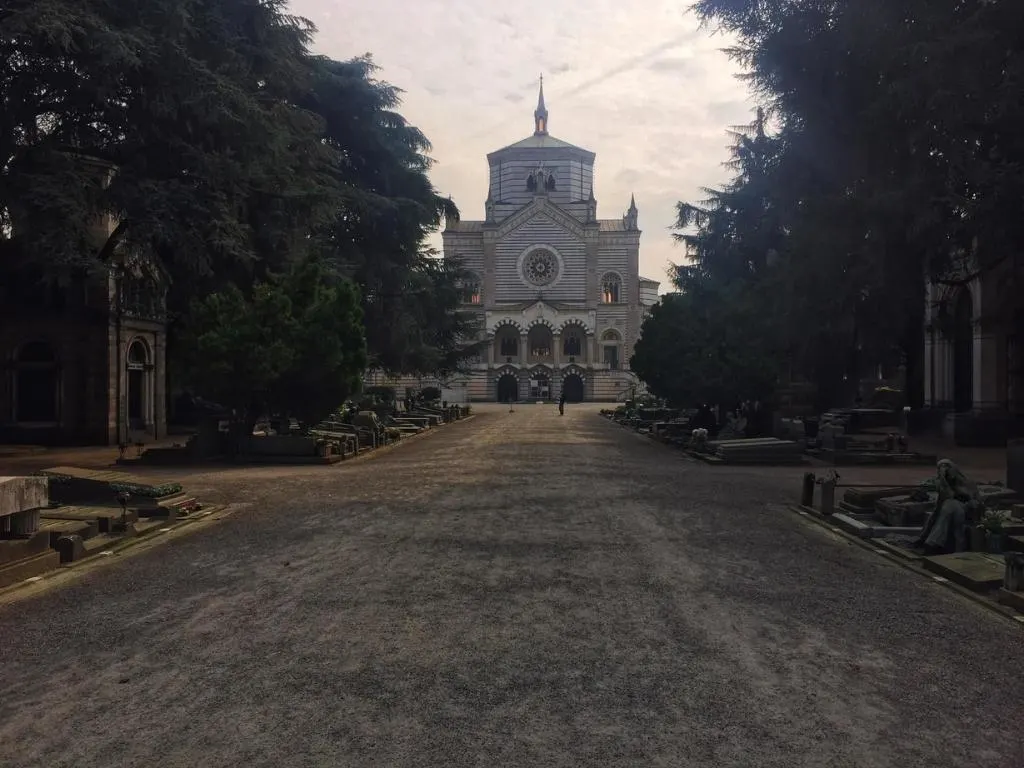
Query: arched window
point(611, 288)
point(549, 185)
point(572, 341)
point(36, 384)
point(471, 293)
point(540, 341)
point(610, 343)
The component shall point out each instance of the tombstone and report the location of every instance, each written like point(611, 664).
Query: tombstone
point(70, 548)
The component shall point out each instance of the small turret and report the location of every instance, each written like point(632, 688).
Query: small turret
point(630, 219)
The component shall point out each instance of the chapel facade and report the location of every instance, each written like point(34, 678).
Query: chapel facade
point(557, 289)
point(83, 356)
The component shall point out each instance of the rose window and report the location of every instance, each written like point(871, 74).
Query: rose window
point(540, 267)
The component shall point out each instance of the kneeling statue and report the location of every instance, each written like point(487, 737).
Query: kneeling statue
point(959, 504)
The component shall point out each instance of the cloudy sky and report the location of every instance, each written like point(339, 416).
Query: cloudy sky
point(638, 82)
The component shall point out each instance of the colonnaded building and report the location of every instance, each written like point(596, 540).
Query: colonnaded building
point(558, 290)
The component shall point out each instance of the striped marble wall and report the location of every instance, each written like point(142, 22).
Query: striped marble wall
point(541, 230)
point(574, 181)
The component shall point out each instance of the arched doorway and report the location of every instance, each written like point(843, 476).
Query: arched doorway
point(572, 388)
point(963, 352)
point(508, 388)
point(138, 385)
point(36, 384)
point(540, 385)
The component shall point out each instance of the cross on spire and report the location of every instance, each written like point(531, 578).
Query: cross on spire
point(540, 114)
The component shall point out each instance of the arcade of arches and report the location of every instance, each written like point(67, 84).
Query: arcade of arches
point(540, 363)
point(972, 367)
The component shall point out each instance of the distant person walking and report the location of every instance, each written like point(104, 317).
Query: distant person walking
point(561, 404)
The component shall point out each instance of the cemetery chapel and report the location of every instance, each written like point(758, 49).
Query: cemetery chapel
point(557, 289)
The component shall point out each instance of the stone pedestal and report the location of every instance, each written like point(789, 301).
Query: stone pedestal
point(20, 501)
point(1013, 577)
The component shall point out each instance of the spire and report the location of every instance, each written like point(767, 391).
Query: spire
point(630, 219)
point(540, 114)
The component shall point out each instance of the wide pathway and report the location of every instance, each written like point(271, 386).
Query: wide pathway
point(517, 590)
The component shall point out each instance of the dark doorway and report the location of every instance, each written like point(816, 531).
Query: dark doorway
point(572, 388)
point(963, 353)
point(508, 388)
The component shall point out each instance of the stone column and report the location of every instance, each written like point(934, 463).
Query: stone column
point(523, 351)
point(592, 356)
point(490, 351)
point(556, 339)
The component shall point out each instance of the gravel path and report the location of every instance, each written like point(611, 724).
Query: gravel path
point(517, 590)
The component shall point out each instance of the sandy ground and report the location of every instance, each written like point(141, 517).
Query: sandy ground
point(517, 590)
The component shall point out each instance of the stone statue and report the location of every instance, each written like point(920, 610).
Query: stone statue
point(489, 209)
point(959, 504)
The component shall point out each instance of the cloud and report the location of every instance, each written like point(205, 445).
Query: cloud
point(628, 64)
point(672, 65)
point(629, 177)
point(656, 116)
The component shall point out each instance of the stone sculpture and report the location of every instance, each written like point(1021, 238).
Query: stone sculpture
point(958, 505)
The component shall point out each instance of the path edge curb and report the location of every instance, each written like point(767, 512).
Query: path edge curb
point(813, 515)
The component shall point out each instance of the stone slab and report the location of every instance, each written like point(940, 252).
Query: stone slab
point(977, 571)
point(26, 569)
point(75, 485)
point(106, 518)
point(866, 497)
point(18, 494)
point(57, 528)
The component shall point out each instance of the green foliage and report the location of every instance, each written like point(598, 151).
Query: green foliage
point(900, 152)
point(294, 346)
point(226, 152)
point(703, 346)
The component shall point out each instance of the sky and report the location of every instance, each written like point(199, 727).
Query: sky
point(636, 81)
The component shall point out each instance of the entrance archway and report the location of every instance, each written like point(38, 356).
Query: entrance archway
point(572, 388)
point(540, 386)
point(508, 388)
point(963, 352)
point(138, 385)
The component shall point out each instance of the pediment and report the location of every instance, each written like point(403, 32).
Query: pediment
point(541, 206)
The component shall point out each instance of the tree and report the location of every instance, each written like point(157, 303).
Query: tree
point(899, 150)
point(410, 297)
point(294, 346)
point(186, 108)
point(703, 345)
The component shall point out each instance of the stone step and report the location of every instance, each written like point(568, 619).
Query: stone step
point(13, 573)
